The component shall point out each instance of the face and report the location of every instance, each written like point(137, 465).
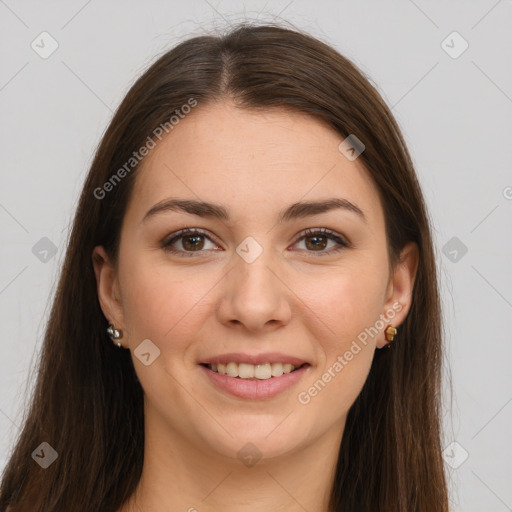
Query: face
point(304, 284)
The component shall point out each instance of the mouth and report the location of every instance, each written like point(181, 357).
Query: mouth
point(248, 371)
point(254, 382)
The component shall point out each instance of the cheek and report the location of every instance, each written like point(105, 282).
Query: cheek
point(160, 303)
point(343, 307)
point(334, 389)
point(344, 303)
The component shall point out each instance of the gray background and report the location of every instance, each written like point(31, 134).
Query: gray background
point(455, 114)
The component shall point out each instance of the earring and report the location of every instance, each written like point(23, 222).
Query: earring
point(115, 334)
point(390, 334)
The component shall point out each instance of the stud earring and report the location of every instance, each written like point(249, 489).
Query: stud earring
point(390, 334)
point(115, 334)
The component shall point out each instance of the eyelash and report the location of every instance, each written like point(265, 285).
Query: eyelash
point(330, 235)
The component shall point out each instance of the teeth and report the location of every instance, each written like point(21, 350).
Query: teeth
point(251, 371)
point(232, 370)
point(287, 368)
point(244, 371)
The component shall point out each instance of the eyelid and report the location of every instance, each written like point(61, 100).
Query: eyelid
point(341, 240)
point(168, 240)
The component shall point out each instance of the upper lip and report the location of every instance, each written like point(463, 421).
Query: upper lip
point(266, 357)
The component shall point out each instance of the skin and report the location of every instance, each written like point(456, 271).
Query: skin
point(294, 298)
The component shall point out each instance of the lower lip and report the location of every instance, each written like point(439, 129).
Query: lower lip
point(256, 389)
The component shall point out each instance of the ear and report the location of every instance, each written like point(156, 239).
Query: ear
point(107, 287)
point(400, 288)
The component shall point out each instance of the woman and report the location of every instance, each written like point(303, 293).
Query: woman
point(248, 315)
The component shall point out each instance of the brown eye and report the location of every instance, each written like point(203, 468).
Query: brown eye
point(318, 240)
point(192, 242)
point(187, 242)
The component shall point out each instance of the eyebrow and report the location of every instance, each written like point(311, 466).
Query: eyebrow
point(294, 211)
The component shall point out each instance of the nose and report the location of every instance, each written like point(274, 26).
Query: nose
point(255, 296)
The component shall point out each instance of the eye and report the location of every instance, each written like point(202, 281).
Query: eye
point(317, 240)
point(187, 241)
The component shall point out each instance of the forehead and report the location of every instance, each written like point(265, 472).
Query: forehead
point(255, 161)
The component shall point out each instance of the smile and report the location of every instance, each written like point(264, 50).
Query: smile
point(252, 371)
point(267, 381)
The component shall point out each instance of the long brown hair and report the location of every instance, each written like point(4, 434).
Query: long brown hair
point(88, 403)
